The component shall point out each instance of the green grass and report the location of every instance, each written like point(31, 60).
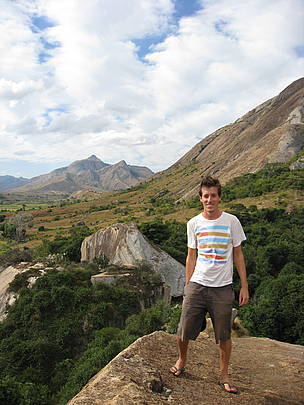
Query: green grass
point(4, 247)
point(22, 207)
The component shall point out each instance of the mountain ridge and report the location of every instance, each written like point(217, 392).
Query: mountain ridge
point(90, 173)
point(271, 132)
point(7, 181)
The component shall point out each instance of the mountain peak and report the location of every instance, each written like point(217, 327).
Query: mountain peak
point(93, 157)
point(121, 163)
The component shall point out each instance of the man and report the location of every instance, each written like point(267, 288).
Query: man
point(214, 243)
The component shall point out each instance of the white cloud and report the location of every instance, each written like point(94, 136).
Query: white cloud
point(94, 95)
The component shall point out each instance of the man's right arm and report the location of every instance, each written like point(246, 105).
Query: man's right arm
point(190, 263)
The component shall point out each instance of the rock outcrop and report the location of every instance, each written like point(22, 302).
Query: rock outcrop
point(7, 275)
point(298, 164)
point(125, 245)
point(267, 372)
point(6, 298)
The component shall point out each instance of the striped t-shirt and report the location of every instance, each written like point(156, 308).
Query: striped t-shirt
point(214, 240)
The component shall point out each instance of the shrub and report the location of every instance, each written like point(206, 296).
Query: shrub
point(171, 236)
point(69, 246)
point(277, 309)
point(15, 256)
point(173, 319)
point(9, 231)
point(13, 392)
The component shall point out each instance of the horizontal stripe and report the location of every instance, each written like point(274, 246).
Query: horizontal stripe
point(200, 234)
point(213, 245)
point(211, 227)
point(214, 257)
point(201, 259)
point(213, 240)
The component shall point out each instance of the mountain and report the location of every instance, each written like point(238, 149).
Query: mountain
point(271, 132)
point(7, 182)
point(90, 173)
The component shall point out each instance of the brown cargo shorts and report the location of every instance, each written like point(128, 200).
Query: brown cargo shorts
point(199, 300)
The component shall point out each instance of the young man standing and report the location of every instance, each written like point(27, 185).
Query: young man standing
point(214, 243)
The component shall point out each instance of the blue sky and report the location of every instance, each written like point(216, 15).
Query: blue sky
point(142, 81)
point(182, 8)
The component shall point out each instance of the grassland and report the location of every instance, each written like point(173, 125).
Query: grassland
point(11, 207)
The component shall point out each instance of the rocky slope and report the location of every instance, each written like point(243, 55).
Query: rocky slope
point(271, 132)
point(125, 245)
point(90, 173)
point(267, 372)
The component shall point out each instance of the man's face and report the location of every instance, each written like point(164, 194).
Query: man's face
point(210, 199)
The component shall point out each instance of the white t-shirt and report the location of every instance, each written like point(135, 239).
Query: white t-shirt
point(214, 240)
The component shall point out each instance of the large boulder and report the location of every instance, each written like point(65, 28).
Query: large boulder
point(125, 245)
point(267, 372)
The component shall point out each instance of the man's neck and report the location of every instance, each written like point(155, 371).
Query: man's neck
point(212, 215)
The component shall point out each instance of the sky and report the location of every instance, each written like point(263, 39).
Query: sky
point(135, 80)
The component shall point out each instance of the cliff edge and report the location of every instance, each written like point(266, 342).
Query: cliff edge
point(267, 372)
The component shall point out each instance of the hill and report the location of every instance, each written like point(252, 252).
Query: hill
point(271, 132)
point(90, 173)
point(7, 182)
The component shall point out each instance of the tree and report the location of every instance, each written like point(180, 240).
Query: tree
point(21, 222)
point(277, 309)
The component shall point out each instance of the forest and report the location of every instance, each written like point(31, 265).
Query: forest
point(63, 329)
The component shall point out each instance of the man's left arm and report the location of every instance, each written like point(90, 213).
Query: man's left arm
point(239, 262)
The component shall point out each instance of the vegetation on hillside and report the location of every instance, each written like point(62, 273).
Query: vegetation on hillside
point(61, 331)
point(273, 253)
point(273, 177)
point(171, 236)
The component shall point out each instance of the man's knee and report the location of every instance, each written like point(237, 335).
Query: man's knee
point(225, 343)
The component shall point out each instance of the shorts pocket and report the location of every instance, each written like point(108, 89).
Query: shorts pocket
point(185, 289)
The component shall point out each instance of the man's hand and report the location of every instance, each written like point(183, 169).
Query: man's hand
point(244, 296)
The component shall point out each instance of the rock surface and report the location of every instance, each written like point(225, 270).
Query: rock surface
point(107, 278)
point(299, 164)
point(7, 275)
point(125, 245)
point(6, 298)
point(267, 372)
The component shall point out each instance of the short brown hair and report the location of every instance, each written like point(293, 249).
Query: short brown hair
point(209, 181)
